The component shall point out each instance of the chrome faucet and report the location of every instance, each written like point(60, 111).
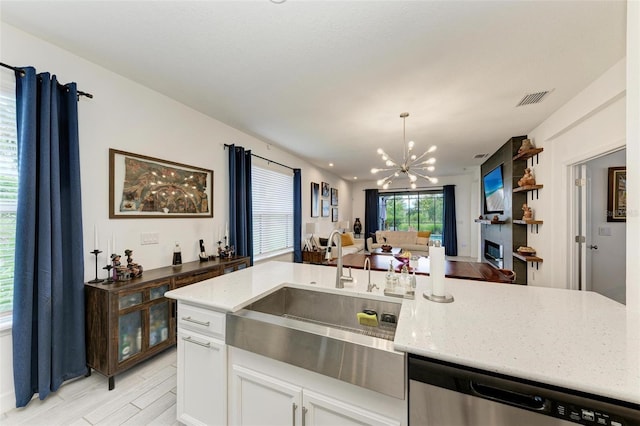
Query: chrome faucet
point(370, 287)
point(340, 279)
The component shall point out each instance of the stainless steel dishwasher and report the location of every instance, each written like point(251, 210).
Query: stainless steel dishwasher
point(444, 394)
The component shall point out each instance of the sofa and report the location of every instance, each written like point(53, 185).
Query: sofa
point(417, 241)
point(350, 244)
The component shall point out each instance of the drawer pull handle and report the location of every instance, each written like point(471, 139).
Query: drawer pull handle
point(190, 340)
point(189, 319)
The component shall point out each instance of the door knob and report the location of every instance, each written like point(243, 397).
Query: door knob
point(593, 247)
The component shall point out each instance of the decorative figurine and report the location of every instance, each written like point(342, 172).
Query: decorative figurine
point(120, 272)
point(526, 146)
point(135, 269)
point(528, 179)
point(528, 213)
point(226, 252)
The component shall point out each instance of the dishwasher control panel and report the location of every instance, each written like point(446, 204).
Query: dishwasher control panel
point(586, 415)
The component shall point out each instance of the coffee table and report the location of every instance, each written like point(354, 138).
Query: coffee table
point(393, 252)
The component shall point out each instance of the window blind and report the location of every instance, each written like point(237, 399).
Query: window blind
point(8, 188)
point(272, 194)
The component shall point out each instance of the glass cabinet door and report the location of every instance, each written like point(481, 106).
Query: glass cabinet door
point(158, 323)
point(130, 335)
point(158, 292)
point(129, 300)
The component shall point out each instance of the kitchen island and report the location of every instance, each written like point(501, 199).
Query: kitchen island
point(573, 340)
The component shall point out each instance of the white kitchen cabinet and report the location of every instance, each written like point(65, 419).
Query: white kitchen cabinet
point(321, 410)
point(259, 399)
point(202, 369)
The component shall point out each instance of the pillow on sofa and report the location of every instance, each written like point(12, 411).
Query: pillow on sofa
point(347, 239)
point(424, 234)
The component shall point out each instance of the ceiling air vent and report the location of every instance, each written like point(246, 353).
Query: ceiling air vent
point(533, 98)
point(480, 156)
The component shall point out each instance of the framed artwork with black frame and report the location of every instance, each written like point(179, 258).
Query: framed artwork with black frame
point(315, 199)
point(325, 189)
point(334, 214)
point(325, 208)
point(334, 196)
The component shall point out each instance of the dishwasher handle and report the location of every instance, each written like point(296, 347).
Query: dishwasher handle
point(521, 400)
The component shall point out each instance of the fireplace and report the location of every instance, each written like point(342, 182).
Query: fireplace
point(493, 253)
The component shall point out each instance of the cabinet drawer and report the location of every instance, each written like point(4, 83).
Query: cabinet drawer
point(195, 277)
point(201, 320)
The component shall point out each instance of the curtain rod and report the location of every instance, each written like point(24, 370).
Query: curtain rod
point(265, 159)
point(429, 188)
point(22, 73)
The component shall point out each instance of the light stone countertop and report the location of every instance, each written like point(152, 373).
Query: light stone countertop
point(573, 339)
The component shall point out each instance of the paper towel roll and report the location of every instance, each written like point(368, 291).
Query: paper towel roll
point(436, 258)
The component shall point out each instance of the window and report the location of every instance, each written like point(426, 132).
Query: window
point(8, 189)
point(420, 211)
point(272, 212)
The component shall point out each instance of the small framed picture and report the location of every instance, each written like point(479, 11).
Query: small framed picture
point(334, 196)
point(325, 189)
point(617, 195)
point(325, 208)
point(334, 214)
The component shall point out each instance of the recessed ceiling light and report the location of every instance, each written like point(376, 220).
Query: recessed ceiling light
point(330, 164)
point(355, 178)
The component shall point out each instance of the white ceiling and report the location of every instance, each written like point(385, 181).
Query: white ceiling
point(327, 81)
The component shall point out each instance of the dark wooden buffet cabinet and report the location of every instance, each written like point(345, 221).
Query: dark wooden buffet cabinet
point(129, 321)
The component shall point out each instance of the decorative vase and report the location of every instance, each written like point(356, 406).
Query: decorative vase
point(357, 227)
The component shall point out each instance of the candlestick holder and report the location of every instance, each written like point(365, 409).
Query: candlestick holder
point(95, 252)
point(108, 268)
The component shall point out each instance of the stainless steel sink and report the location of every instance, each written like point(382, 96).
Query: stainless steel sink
point(320, 332)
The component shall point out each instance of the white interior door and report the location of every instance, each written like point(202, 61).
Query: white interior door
point(600, 248)
point(606, 241)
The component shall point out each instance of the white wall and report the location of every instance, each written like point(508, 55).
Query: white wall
point(128, 116)
point(590, 124)
point(633, 155)
point(467, 189)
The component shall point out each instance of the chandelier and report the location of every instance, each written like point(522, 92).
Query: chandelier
point(412, 166)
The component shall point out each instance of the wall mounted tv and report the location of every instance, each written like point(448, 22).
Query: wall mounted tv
point(493, 185)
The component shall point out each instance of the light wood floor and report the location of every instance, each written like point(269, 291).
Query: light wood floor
point(144, 395)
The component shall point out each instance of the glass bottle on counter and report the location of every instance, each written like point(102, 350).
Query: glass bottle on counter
point(405, 279)
point(390, 278)
point(177, 256)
